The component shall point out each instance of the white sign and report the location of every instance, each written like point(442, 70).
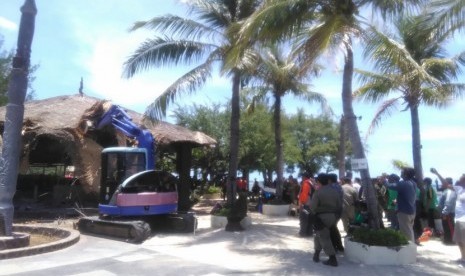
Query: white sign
point(359, 164)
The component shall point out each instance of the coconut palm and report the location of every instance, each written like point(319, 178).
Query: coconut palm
point(204, 41)
point(17, 88)
point(281, 74)
point(322, 25)
point(412, 67)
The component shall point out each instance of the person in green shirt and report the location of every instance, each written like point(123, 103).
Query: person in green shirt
point(391, 206)
point(431, 203)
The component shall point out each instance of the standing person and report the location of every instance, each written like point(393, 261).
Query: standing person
point(325, 205)
point(419, 214)
point(447, 208)
point(406, 195)
point(294, 189)
point(459, 233)
point(431, 203)
point(349, 199)
point(391, 206)
point(305, 217)
point(255, 189)
point(381, 195)
point(356, 184)
point(335, 235)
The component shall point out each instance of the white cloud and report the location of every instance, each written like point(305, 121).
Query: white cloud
point(7, 24)
point(450, 132)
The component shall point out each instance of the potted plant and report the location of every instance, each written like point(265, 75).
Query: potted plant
point(213, 192)
point(275, 207)
point(380, 247)
point(232, 217)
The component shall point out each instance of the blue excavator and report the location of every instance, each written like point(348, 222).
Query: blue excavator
point(134, 198)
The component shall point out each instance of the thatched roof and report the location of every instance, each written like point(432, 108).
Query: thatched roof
point(67, 113)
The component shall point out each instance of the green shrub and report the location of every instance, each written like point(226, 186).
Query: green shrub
point(381, 237)
point(224, 212)
point(213, 190)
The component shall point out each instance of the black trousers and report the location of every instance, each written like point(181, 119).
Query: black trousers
point(335, 236)
point(448, 225)
point(306, 222)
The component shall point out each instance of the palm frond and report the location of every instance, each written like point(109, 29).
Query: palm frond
point(314, 40)
point(163, 51)
point(391, 56)
point(177, 26)
point(447, 15)
point(391, 8)
point(188, 83)
point(443, 95)
point(214, 13)
point(315, 97)
point(385, 110)
point(277, 19)
point(375, 86)
point(443, 69)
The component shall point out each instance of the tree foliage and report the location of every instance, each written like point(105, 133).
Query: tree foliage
point(6, 59)
point(310, 143)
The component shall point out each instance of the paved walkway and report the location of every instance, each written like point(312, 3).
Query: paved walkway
point(270, 246)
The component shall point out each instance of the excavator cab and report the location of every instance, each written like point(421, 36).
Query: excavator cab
point(118, 164)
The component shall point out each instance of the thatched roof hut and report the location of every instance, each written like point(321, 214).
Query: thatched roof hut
point(55, 134)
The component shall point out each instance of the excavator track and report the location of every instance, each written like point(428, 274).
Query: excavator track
point(134, 231)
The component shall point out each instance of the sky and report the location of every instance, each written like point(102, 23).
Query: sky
point(90, 39)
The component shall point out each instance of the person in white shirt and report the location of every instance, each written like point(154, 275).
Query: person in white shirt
point(459, 231)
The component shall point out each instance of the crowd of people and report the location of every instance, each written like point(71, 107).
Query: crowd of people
point(409, 206)
point(324, 200)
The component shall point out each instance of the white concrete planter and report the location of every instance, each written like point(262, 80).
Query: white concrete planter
point(380, 255)
point(275, 210)
point(221, 221)
point(212, 196)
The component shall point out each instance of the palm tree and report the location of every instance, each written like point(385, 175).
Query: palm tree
point(281, 75)
point(322, 25)
point(412, 66)
point(205, 41)
point(17, 88)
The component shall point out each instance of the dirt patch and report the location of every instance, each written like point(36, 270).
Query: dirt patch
point(38, 239)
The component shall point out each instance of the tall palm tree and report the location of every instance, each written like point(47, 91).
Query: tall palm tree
point(322, 25)
point(411, 65)
point(17, 88)
point(281, 75)
point(205, 41)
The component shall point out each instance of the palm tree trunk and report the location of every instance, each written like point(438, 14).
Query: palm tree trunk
point(416, 145)
point(341, 153)
point(234, 138)
point(17, 89)
point(279, 146)
point(354, 134)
